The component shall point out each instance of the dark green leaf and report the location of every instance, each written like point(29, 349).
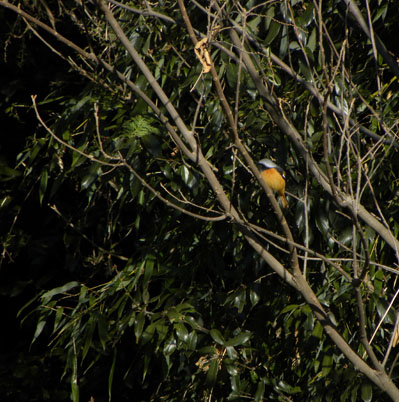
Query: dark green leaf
point(170, 346)
point(212, 372)
point(254, 297)
point(39, 328)
point(367, 392)
point(191, 341)
point(139, 325)
point(102, 326)
point(181, 332)
point(232, 370)
point(240, 339)
point(217, 336)
point(284, 387)
point(111, 375)
point(272, 33)
point(260, 391)
point(43, 185)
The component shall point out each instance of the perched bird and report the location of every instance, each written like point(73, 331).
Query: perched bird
point(274, 176)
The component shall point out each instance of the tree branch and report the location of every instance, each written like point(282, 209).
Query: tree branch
point(343, 200)
point(314, 90)
point(354, 9)
point(241, 147)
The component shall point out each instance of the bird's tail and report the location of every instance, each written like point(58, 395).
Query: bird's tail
point(284, 200)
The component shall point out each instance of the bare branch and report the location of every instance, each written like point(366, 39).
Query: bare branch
point(146, 13)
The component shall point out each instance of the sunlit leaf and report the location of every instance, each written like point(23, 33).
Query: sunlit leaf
point(47, 296)
point(326, 364)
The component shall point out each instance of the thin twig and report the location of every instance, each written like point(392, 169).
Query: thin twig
point(86, 155)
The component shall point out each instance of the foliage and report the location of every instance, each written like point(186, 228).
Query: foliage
point(143, 280)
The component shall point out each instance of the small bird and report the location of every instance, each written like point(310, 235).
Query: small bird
point(274, 176)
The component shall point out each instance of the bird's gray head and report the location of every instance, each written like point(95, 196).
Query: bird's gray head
point(268, 164)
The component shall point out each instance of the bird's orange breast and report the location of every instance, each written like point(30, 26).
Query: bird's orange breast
point(274, 180)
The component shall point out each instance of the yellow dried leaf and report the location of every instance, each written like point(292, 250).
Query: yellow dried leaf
point(202, 53)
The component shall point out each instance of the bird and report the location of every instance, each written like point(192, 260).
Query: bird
point(274, 176)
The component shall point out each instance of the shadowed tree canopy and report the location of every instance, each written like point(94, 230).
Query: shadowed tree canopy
point(144, 255)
